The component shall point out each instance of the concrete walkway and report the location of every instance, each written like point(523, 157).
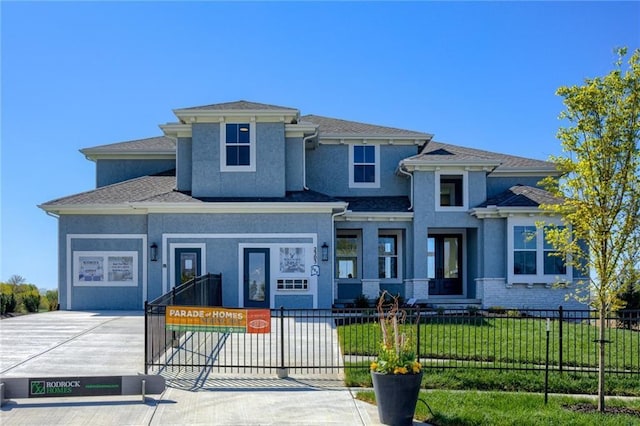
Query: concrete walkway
point(66, 343)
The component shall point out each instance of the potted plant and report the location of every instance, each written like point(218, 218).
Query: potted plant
point(396, 373)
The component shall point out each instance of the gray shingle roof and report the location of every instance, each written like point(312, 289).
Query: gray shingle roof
point(290, 197)
point(154, 144)
point(239, 105)
point(334, 126)
point(522, 196)
point(378, 204)
point(437, 152)
point(160, 188)
point(144, 188)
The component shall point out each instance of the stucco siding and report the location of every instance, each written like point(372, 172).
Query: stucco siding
point(294, 164)
point(101, 237)
point(328, 171)
point(223, 237)
point(268, 179)
point(109, 172)
point(184, 167)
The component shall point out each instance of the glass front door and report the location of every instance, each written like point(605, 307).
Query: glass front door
point(256, 278)
point(444, 264)
point(187, 264)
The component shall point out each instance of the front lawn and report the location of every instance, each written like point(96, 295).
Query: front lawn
point(498, 408)
point(517, 381)
point(501, 342)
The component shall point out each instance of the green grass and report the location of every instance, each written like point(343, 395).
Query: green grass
point(518, 381)
point(492, 408)
point(503, 341)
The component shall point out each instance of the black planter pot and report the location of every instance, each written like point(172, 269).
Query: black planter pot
point(396, 396)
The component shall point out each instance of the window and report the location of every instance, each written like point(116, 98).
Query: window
point(451, 190)
point(347, 248)
point(108, 268)
point(524, 250)
point(237, 147)
point(388, 255)
point(364, 166)
point(293, 284)
point(554, 264)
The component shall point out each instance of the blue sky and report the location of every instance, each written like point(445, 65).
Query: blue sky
point(76, 75)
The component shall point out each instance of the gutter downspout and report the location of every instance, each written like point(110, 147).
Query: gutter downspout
point(400, 166)
point(53, 215)
point(304, 159)
point(333, 247)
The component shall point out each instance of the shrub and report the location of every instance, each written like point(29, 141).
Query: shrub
point(473, 310)
point(8, 303)
point(361, 301)
point(31, 301)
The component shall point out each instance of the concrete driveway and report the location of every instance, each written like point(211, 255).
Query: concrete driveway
point(64, 343)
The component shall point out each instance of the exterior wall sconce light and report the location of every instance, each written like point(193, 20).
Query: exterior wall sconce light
point(325, 252)
point(153, 252)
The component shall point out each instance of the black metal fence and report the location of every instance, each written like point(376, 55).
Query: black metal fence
point(328, 341)
point(301, 341)
point(506, 339)
point(205, 290)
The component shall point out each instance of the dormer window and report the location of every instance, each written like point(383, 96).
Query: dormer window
point(451, 191)
point(364, 166)
point(237, 147)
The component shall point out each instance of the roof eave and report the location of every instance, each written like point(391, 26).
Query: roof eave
point(493, 212)
point(419, 165)
point(525, 171)
point(94, 155)
point(376, 216)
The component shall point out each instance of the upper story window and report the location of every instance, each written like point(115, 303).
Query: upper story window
point(451, 191)
point(348, 244)
point(364, 166)
point(389, 259)
point(237, 147)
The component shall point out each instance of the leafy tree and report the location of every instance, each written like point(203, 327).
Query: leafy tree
point(601, 187)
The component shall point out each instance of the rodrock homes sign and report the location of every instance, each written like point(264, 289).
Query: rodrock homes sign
point(75, 386)
point(224, 320)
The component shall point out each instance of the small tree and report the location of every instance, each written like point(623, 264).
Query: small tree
point(52, 298)
point(601, 186)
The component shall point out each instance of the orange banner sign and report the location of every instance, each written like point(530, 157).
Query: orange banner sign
point(225, 320)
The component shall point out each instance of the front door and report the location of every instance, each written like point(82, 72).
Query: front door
point(187, 264)
point(256, 278)
point(444, 264)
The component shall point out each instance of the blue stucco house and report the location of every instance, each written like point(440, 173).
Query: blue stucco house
point(306, 211)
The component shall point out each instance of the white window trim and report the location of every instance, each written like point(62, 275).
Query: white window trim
point(539, 277)
point(376, 182)
point(104, 256)
point(223, 149)
point(71, 237)
point(399, 259)
point(465, 191)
